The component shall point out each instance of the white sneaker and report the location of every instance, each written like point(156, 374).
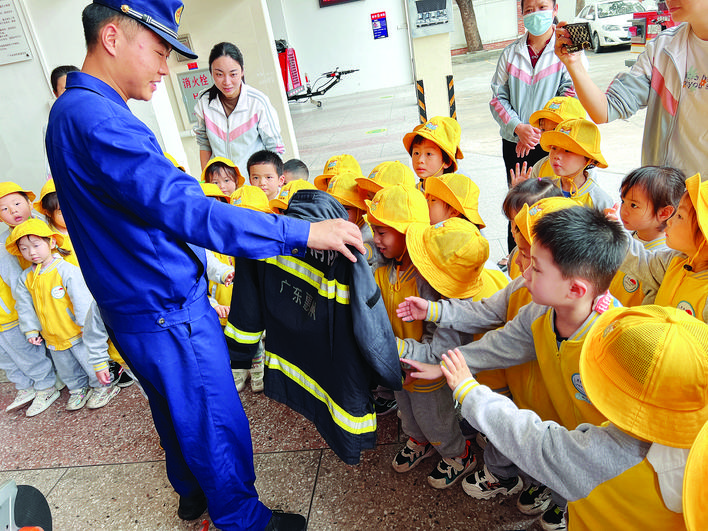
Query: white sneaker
point(59, 384)
point(43, 400)
point(78, 398)
point(101, 396)
point(257, 378)
point(23, 396)
point(240, 377)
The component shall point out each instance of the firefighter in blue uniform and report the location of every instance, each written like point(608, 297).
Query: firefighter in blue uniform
point(139, 226)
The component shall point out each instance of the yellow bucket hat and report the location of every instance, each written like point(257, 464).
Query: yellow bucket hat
point(288, 190)
point(240, 179)
point(48, 188)
point(251, 197)
point(577, 136)
point(529, 215)
point(450, 255)
point(386, 174)
point(211, 190)
point(397, 207)
point(334, 166)
point(8, 187)
point(458, 191)
point(31, 227)
point(559, 109)
point(444, 132)
point(344, 189)
point(695, 484)
point(173, 161)
point(698, 193)
point(646, 369)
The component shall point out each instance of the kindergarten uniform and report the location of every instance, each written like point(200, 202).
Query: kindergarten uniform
point(218, 266)
point(589, 194)
point(628, 289)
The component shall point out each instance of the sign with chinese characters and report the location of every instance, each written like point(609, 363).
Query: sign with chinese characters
point(191, 84)
point(378, 24)
point(429, 17)
point(13, 42)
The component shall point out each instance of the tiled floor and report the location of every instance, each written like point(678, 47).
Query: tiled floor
point(104, 469)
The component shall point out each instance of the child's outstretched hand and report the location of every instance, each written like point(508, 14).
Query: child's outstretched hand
point(454, 368)
point(228, 279)
point(104, 376)
point(521, 174)
point(222, 311)
point(37, 340)
point(426, 371)
point(412, 309)
point(613, 213)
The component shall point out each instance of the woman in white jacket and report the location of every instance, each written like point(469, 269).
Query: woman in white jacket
point(234, 120)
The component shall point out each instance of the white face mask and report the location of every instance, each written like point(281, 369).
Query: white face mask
point(539, 22)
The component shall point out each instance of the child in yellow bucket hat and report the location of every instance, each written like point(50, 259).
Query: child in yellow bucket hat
point(280, 203)
point(251, 197)
point(678, 275)
point(335, 166)
point(224, 173)
point(383, 175)
point(48, 206)
point(646, 370)
point(434, 147)
point(453, 195)
point(695, 484)
point(574, 146)
point(15, 208)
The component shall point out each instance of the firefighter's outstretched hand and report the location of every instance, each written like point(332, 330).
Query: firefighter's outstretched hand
point(335, 235)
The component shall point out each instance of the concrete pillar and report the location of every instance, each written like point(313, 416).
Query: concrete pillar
point(432, 64)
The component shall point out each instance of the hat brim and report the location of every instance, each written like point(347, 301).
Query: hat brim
point(695, 486)
point(322, 181)
point(439, 189)
point(561, 140)
point(364, 183)
point(408, 141)
point(544, 113)
point(700, 205)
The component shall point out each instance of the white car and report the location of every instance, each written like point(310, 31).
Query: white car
point(609, 21)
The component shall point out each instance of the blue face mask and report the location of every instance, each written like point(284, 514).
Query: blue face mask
point(539, 22)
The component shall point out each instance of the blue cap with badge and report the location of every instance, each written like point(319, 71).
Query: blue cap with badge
point(160, 16)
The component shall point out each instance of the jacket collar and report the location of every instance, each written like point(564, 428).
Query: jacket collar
point(89, 82)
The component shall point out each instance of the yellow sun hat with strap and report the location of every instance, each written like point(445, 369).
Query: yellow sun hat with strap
point(173, 161)
point(31, 227)
point(8, 187)
point(240, 179)
point(289, 190)
point(344, 189)
point(212, 190)
point(442, 131)
point(386, 174)
point(698, 194)
point(48, 188)
point(527, 217)
point(334, 166)
point(695, 484)
point(251, 197)
point(559, 109)
point(578, 136)
point(645, 368)
point(397, 207)
point(458, 191)
point(450, 255)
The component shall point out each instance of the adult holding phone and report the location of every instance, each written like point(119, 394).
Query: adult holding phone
point(234, 120)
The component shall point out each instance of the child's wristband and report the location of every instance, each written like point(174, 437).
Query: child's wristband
point(463, 388)
point(434, 312)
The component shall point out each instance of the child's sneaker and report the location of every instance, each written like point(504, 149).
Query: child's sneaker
point(257, 378)
point(59, 384)
point(101, 396)
point(411, 455)
point(534, 500)
point(240, 377)
point(484, 485)
point(384, 406)
point(23, 397)
point(553, 519)
point(78, 398)
point(44, 399)
point(452, 469)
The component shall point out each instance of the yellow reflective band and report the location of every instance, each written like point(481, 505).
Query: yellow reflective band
point(346, 421)
point(330, 289)
point(247, 338)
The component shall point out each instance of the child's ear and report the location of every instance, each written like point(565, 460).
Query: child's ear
point(52, 242)
point(665, 213)
point(281, 180)
point(578, 288)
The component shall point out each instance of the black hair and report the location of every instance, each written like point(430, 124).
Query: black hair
point(522, 10)
point(663, 185)
point(527, 193)
point(218, 165)
point(583, 243)
point(63, 252)
point(220, 50)
point(418, 139)
point(266, 157)
point(95, 16)
point(59, 72)
point(297, 167)
point(50, 204)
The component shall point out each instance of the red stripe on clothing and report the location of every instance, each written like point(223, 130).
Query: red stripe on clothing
point(241, 129)
point(211, 126)
point(501, 111)
point(519, 74)
point(554, 68)
point(658, 85)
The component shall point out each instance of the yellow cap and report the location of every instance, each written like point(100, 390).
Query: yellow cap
point(48, 188)
point(31, 227)
point(577, 136)
point(527, 217)
point(444, 132)
point(695, 484)
point(211, 190)
point(397, 207)
point(251, 197)
point(698, 193)
point(559, 109)
point(287, 191)
point(387, 174)
point(240, 179)
point(9, 187)
point(458, 191)
point(334, 166)
point(450, 255)
point(646, 369)
point(173, 161)
point(344, 189)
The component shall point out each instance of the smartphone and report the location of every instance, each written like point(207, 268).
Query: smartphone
point(580, 35)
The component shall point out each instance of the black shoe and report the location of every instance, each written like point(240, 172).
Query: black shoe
point(281, 521)
point(192, 507)
point(384, 406)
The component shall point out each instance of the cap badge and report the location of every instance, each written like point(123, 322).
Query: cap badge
point(178, 14)
point(553, 106)
point(431, 126)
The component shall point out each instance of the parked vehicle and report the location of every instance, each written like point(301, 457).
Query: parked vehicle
point(609, 21)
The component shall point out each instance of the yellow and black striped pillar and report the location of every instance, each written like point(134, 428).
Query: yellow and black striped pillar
point(451, 96)
point(420, 94)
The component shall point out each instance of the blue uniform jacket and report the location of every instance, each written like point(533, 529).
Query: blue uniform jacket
point(136, 221)
point(328, 340)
